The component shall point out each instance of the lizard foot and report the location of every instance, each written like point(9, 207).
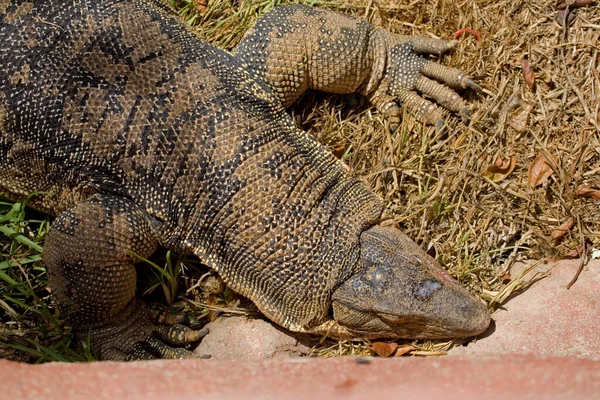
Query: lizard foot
point(144, 332)
point(419, 84)
point(95, 289)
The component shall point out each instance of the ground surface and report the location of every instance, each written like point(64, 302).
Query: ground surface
point(441, 189)
point(519, 377)
point(473, 195)
point(547, 319)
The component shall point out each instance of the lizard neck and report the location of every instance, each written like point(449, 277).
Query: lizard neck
point(286, 248)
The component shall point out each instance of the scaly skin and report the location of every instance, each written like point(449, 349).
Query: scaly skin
point(139, 134)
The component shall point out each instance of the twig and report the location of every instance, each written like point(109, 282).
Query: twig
point(583, 254)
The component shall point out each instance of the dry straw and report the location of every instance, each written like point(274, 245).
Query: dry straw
point(466, 194)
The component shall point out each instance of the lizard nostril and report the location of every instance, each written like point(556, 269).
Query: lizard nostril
point(444, 275)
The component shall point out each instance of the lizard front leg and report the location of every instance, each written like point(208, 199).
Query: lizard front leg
point(296, 48)
point(90, 253)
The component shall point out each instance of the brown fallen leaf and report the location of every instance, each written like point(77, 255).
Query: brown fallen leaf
point(586, 191)
point(565, 17)
point(576, 252)
point(559, 232)
point(561, 5)
point(501, 168)
point(539, 171)
point(383, 349)
point(340, 149)
point(518, 120)
point(402, 350)
point(528, 74)
point(201, 5)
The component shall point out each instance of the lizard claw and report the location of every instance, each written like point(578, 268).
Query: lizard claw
point(144, 332)
point(411, 79)
point(153, 348)
point(179, 334)
point(439, 125)
point(467, 82)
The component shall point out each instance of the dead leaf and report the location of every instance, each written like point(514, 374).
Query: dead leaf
point(501, 169)
point(539, 171)
point(402, 350)
point(340, 149)
point(528, 74)
point(565, 17)
point(583, 3)
point(201, 5)
point(518, 120)
point(586, 191)
point(576, 252)
point(383, 349)
point(573, 4)
point(559, 232)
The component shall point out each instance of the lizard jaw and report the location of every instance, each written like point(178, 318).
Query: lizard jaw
point(362, 324)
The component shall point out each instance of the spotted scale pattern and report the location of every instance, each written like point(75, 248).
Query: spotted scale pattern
point(140, 134)
point(296, 48)
point(405, 69)
point(136, 134)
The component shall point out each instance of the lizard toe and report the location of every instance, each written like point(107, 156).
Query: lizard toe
point(179, 334)
point(165, 316)
point(135, 334)
point(154, 348)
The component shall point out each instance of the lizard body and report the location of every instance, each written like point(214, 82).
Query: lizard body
point(138, 134)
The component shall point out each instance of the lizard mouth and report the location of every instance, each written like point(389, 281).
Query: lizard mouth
point(421, 327)
point(374, 324)
point(371, 325)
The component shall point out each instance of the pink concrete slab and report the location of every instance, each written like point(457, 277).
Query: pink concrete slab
point(547, 319)
point(448, 378)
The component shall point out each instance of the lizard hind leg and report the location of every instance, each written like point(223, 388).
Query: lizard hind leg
point(90, 254)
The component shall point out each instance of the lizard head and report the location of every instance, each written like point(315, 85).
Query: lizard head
point(401, 292)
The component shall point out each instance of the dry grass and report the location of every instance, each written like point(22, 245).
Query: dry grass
point(433, 183)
